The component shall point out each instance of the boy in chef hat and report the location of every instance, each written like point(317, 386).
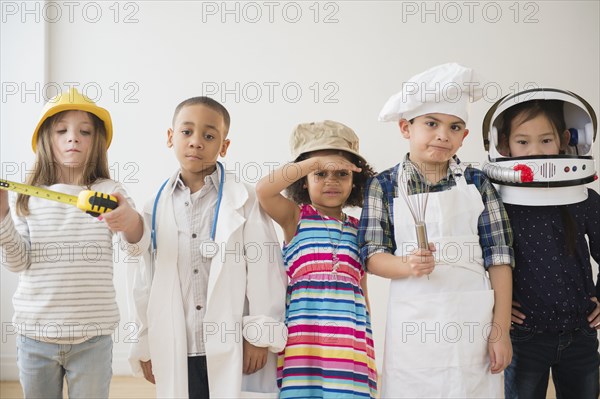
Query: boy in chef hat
point(448, 334)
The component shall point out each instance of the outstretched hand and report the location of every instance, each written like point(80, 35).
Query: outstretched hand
point(124, 219)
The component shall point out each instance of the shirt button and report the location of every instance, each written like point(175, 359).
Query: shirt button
point(554, 258)
point(194, 235)
point(559, 280)
point(196, 271)
point(549, 237)
point(198, 307)
point(565, 304)
point(187, 203)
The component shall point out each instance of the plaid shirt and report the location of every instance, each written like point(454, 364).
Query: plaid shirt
point(376, 228)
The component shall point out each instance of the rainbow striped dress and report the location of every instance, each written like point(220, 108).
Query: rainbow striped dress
point(329, 352)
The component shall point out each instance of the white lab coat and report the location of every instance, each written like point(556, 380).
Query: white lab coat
point(245, 299)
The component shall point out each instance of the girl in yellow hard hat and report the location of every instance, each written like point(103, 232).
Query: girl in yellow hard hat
point(65, 308)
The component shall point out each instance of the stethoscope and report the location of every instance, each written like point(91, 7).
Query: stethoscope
point(208, 248)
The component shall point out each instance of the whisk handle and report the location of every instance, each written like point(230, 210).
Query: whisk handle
point(421, 235)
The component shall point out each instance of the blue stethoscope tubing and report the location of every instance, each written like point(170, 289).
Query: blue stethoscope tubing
point(213, 229)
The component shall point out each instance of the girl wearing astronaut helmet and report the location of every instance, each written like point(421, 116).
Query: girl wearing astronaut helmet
point(540, 143)
point(526, 174)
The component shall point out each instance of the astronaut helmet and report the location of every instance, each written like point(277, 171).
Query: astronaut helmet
point(557, 164)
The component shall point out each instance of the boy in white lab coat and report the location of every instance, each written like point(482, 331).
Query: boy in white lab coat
point(210, 294)
point(447, 334)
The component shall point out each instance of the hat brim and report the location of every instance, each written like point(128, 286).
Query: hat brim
point(333, 148)
point(100, 112)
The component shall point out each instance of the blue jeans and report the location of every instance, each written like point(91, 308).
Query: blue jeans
point(87, 367)
point(572, 356)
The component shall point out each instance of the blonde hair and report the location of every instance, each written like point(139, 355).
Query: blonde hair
point(45, 171)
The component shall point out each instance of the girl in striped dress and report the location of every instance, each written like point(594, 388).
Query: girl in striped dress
point(65, 307)
point(329, 352)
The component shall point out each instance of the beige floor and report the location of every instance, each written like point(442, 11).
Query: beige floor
point(121, 387)
point(129, 387)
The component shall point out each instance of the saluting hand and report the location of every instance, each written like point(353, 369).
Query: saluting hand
point(332, 163)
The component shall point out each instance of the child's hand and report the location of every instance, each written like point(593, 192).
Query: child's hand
point(516, 316)
point(333, 162)
point(500, 350)
point(421, 262)
point(255, 358)
point(594, 317)
point(147, 369)
point(3, 204)
point(124, 219)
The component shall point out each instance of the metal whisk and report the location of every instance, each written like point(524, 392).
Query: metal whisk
point(417, 204)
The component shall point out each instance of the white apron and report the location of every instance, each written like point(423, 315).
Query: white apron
point(437, 328)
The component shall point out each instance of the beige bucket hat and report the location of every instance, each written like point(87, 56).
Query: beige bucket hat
point(325, 135)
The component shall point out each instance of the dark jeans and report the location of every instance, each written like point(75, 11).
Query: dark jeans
point(572, 355)
point(197, 377)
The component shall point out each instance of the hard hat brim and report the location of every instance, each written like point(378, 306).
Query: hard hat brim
point(100, 112)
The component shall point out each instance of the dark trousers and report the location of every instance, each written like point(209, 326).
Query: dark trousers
point(197, 377)
point(572, 356)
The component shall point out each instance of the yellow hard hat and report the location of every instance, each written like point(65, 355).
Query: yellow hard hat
point(72, 100)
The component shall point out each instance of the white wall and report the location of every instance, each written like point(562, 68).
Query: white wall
point(140, 59)
point(22, 51)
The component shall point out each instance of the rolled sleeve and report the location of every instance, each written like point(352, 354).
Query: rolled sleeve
point(375, 234)
point(265, 332)
point(495, 233)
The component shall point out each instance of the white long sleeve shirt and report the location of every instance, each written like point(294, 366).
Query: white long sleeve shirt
point(194, 214)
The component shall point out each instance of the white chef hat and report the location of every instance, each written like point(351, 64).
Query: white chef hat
point(445, 89)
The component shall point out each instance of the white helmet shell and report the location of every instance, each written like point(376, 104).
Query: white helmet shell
point(544, 179)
